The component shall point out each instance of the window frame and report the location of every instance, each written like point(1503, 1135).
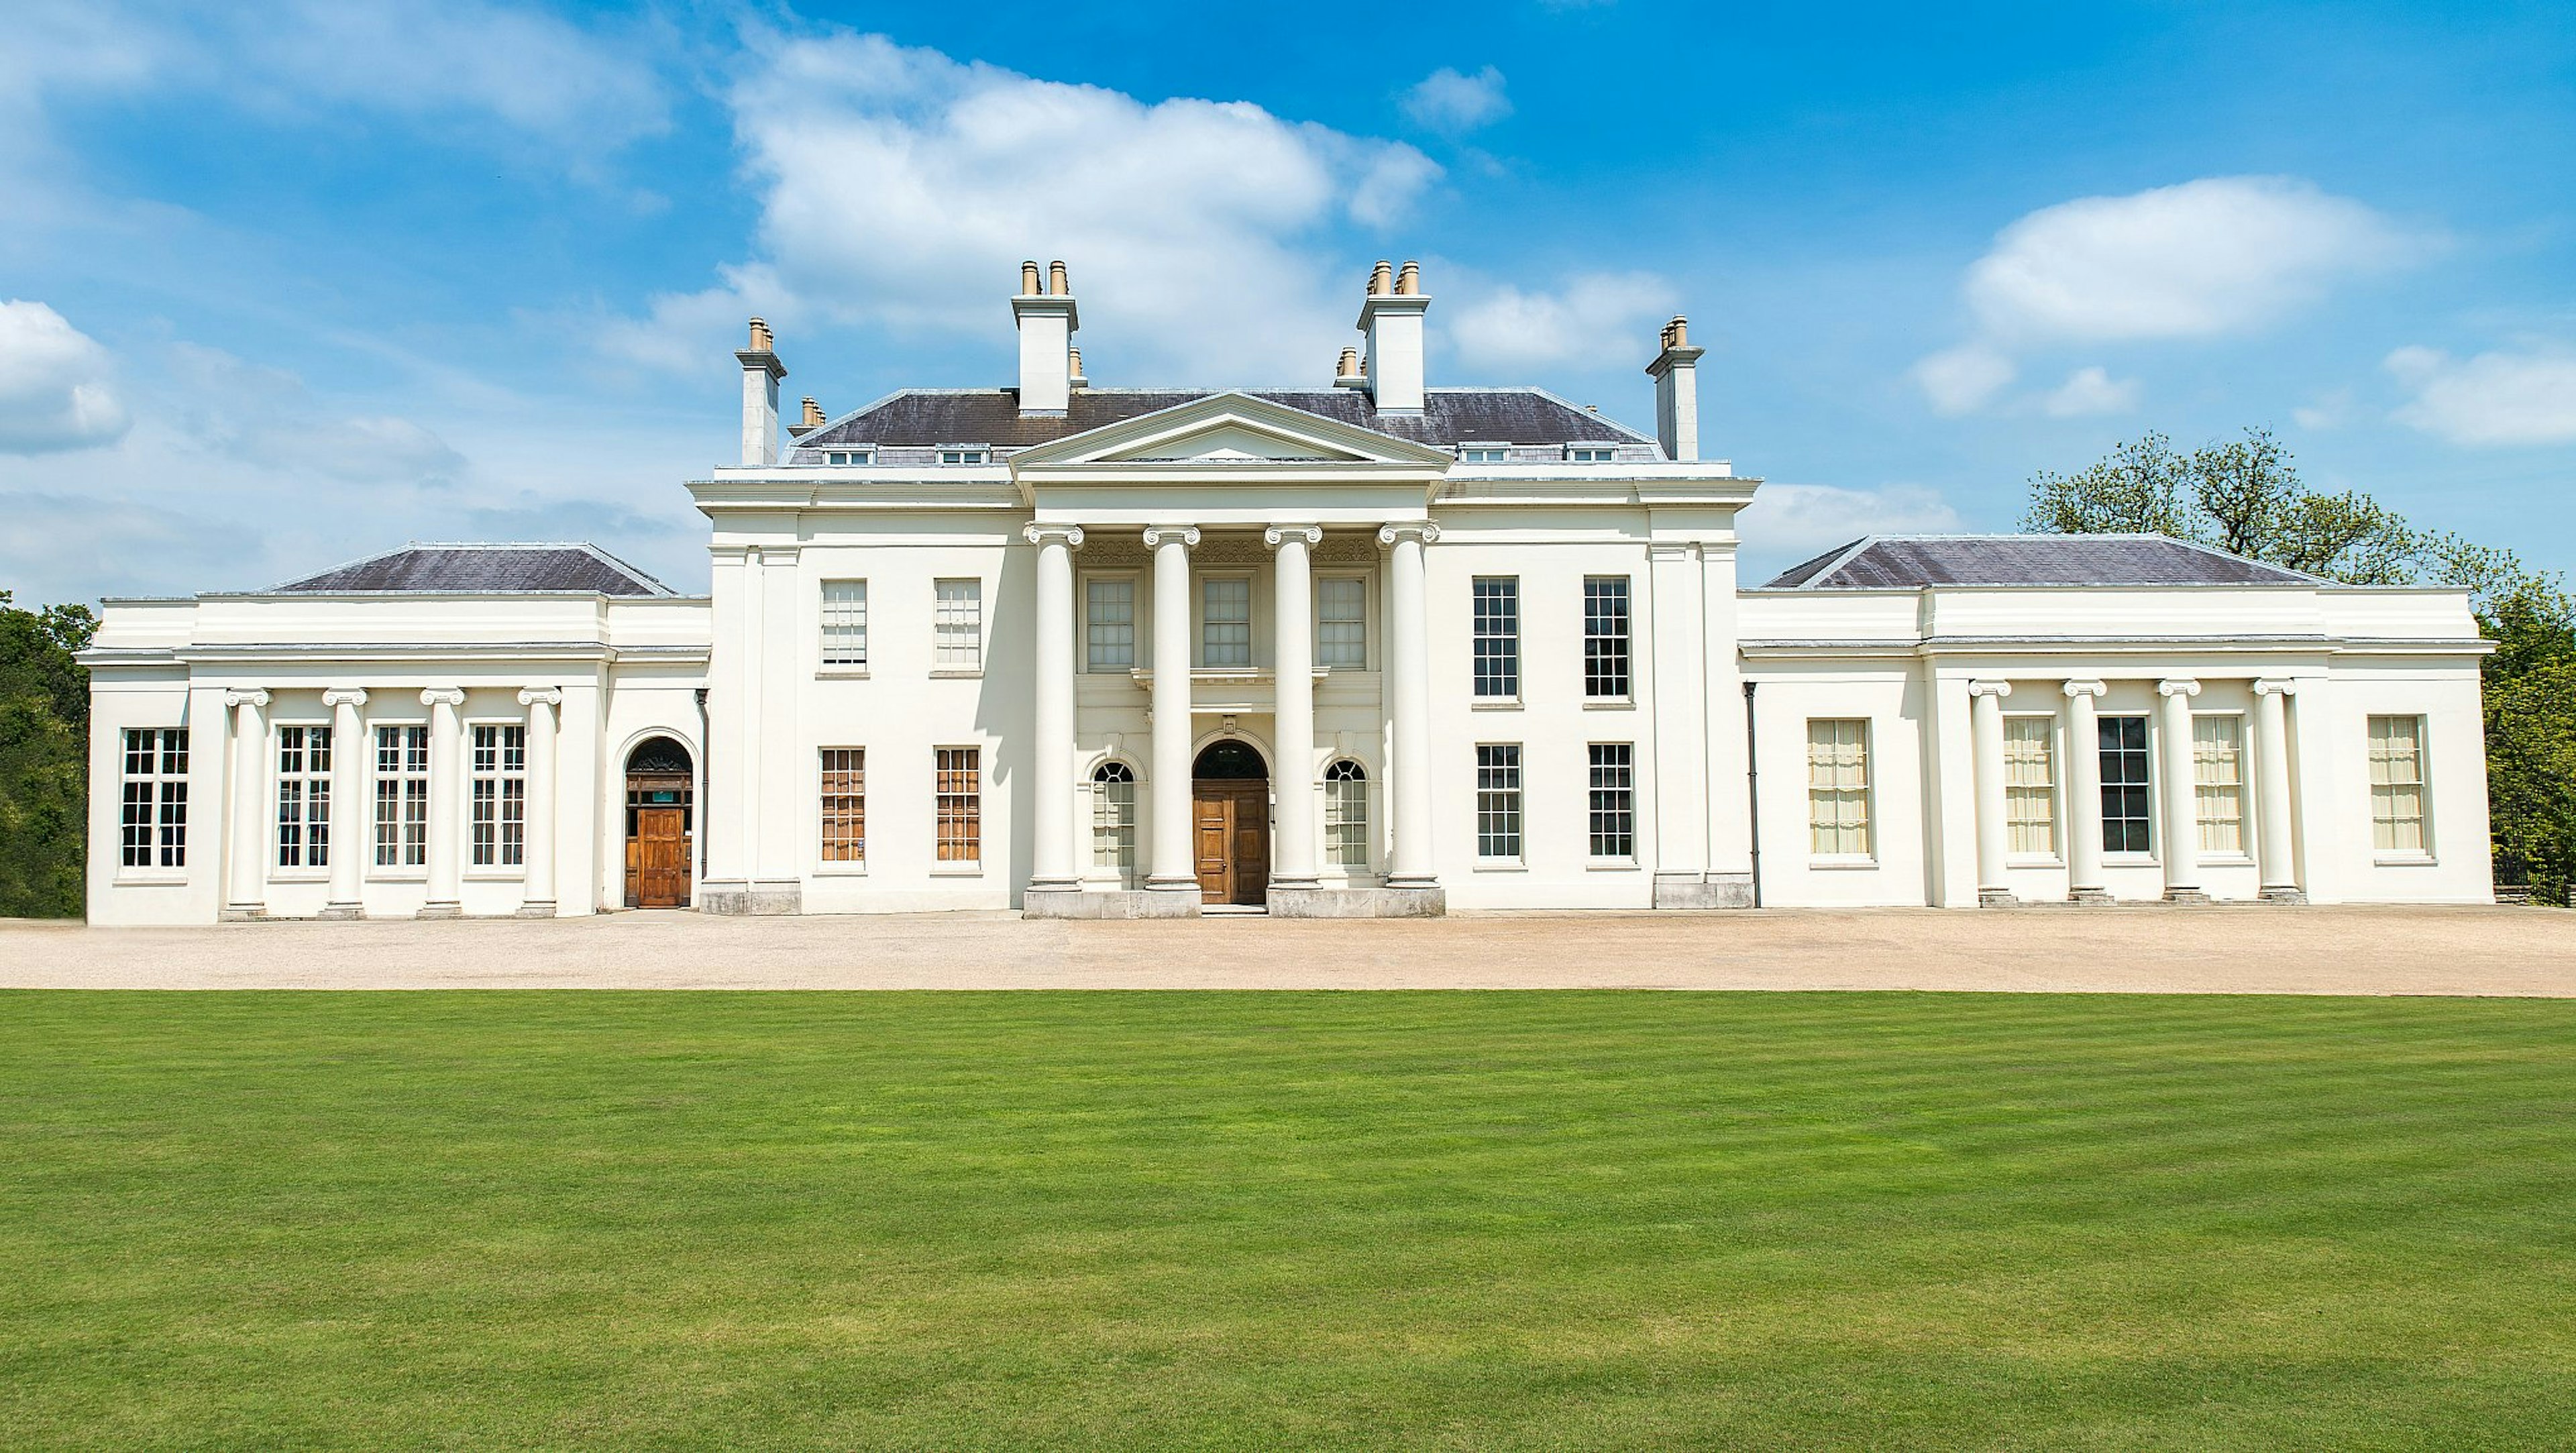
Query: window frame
point(1132, 580)
point(1488, 800)
point(404, 868)
point(941, 627)
point(828, 662)
point(1341, 831)
point(162, 822)
point(1507, 644)
point(2201, 820)
point(1469, 451)
point(1126, 866)
point(1598, 644)
point(503, 777)
point(313, 844)
point(2423, 852)
point(858, 457)
point(2047, 792)
point(1610, 803)
point(1203, 620)
point(1358, 580)
point(855, 816)
point(1866, 795)
point(970, 863)
point(1584, 453)
point(967, 454)
point(2145, 785)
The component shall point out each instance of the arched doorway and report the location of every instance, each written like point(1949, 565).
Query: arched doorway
point(661, 824)
point(1230, 812)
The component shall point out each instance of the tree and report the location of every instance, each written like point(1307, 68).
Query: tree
point(2245, 496)
point(44, 759)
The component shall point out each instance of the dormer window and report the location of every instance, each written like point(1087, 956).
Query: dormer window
point(965, 454)
point(1590, 453)
point(1484, 453)
point(850, 456)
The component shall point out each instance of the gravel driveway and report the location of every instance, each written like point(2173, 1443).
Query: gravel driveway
point(2242, 949)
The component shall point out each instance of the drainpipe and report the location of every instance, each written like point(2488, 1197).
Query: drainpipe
point(1753, 788)
point(698, 804)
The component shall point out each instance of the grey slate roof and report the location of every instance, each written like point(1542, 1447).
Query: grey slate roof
point(992, 416)
point(501, 569)
point(1901, 562)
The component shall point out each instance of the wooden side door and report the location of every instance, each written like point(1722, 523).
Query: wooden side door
point(662, 857)
point(1251, 855)
point(1212, 830)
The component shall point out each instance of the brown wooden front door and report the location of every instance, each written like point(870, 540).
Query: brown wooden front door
point(1233, 823)
point(661, 857)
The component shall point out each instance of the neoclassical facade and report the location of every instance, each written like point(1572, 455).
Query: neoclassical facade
point(1368, 649)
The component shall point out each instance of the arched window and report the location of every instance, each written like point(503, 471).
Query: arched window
point(1113, 817)
point(1346, 836)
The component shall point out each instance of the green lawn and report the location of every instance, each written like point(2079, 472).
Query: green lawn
point(1483, 1221)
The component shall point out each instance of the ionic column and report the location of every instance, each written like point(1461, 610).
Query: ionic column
point(537, 897)
point(446, 795)
point(1292, 655)
point(349, 749)
point(2279, 870)
point(1051, 817)
point(1174, 865)
point(2084, 883)
point(1994, 844)
point(2181, 795)
point(1409, 693)
point(247, 897)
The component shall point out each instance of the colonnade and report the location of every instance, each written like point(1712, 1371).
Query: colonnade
point(1170, 850)
point(2176, 791)
point(250, 856)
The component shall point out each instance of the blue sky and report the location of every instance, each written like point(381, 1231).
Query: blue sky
point(283, 285)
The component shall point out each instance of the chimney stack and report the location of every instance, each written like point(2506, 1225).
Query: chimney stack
point(1391, 317)
point(1346, 373)
point(813, 419)
point(1074, 370)
point(1676, 374)
point(1047, 323)
point(761, 372)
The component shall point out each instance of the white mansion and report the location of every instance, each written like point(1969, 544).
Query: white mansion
point(1372, 648)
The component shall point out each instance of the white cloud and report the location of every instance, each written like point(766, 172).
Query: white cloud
point(57, 547)
point(2214, 256)
point(2329, 410)
point(1448, 101)
point(55, 386)
point(2493, 399)
point(1793, 522)
point(1960, 380)
point(902, 189)
point(2204, 259)
point(1597, 320)
point(268, 417)
point(2090, 391)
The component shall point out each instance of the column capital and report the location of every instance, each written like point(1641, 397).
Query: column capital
point(345, 696)
point(2270, 685)
point(1996, 689)
point(1156, 536)
point(2075, 689)
point(256, 696)
point(1309, 536)
point(1038, 532)
point(530, 696)
point(2178, 686)
point(443, 696)
point(1422, 531)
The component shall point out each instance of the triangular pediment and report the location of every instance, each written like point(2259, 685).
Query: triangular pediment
point(1230, 428)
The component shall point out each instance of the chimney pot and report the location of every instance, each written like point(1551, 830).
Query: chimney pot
point(1073, 365)
point(760, 339)
point(1350, 364)
point(1029, 278)
point(1378, 285)
point(813, 413)
point(1409, 281)
point(1056, 280)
